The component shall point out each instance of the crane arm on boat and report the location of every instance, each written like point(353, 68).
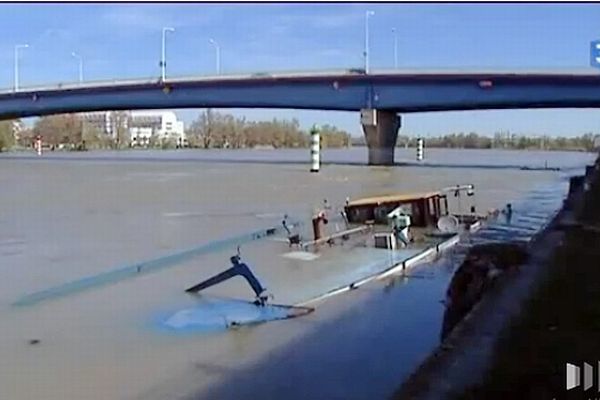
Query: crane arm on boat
point(238, 268)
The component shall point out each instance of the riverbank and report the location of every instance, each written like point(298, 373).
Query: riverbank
point(559, 323)
point(516, 342)
point(529, 161)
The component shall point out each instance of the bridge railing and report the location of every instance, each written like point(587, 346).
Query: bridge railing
point(173, 79)
point(72, 85)
point(75, 85)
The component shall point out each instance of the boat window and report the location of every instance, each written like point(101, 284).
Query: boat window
point(432, 207)
point(444, 205)
point(380, 213)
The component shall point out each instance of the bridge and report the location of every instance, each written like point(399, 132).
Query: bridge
point(380, 96)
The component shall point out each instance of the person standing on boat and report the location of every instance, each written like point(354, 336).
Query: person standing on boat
point(317, 222)
point(400, 226)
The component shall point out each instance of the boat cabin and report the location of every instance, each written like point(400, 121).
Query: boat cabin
point(424, 208)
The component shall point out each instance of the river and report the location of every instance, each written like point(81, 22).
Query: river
point(65, 216)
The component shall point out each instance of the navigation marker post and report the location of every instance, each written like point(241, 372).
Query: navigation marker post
point(38, 145)
point(315, 149)
point(420, 146)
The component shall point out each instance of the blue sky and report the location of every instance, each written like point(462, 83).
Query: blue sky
point(123, 40)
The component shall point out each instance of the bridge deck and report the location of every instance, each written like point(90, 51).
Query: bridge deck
point(350, 90)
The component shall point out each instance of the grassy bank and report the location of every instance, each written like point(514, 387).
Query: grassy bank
point(560, 322)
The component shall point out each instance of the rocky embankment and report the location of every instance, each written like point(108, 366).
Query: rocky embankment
point(515, 314)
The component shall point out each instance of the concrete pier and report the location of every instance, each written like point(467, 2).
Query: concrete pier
point(381, 133)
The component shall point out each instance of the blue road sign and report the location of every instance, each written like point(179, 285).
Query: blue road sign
point(595, 53)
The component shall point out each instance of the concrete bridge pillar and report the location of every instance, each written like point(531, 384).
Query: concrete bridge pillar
point(381, 133)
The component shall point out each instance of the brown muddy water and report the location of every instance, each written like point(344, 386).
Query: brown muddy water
point(64, 217)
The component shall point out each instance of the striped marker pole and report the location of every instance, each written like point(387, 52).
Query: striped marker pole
point(315, 149)
point(38, 145)
point(420, 149)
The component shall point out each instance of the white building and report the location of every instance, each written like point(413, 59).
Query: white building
point(102, 120)
point(17, 128)
point(162, 125)
point(141, 125)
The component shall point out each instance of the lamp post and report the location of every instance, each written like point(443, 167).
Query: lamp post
point(217, 55)
point(163, 58)
point(395, 33)
point(367, 15)
point(80, 59)
point(17, 47)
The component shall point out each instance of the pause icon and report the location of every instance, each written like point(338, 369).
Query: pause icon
point(574, 376)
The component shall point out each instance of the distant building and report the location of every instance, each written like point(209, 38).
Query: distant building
point(162, 125)
point(102, 121)
point(143, 126)
point(17, 129)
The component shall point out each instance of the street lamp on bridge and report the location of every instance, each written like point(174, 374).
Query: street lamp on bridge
point(17, 47)
point(80, 59)
point(366, 53)
point(217, 55)
point(395, 33)
point(163, 58)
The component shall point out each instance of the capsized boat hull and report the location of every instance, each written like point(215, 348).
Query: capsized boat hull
point(213, 314)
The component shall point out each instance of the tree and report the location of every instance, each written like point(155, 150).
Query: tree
point(333, 137)
point(59, 129)
point(7, 136)
point(25, 138)
point(238, 139)
point(504, 140)
point(92, 137)
point(201, 131)
point(120, 121)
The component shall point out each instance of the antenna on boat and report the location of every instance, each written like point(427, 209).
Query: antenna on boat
point(284, 223)
point(293, 238)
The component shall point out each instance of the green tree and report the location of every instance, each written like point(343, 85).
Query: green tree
point(92, 137)
point(7, 136)
point(201, 131)
point(119, 120)
point(331, 136)
point(59, 129)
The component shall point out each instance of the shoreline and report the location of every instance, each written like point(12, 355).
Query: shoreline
point(441, 158)
point(273, 148)
point(464, 364)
